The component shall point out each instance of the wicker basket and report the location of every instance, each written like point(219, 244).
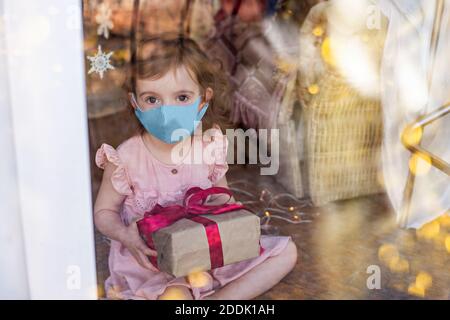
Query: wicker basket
point(341, 118)
point(343, 142)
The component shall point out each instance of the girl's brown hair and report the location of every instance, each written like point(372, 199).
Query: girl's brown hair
point(158, 55)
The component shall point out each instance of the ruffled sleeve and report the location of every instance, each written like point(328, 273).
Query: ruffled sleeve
point(120, 179)
point(219, 166)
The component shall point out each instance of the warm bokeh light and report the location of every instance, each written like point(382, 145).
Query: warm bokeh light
point(412, 136)
point(424, 280)
point(399, 265)
point(100, 291)
point(326, 52)
point(416, 291)
point(198, 279)
point(429, 230)
point(420, 165)
point(353, 48)
point(388, 253)
point(444, 220)
point(318, 31)
point(313, 89)
point(173, 293)
point(447, 243)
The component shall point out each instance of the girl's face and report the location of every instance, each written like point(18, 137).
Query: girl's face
point(173, 88)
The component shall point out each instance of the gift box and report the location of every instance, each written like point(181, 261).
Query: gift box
point(198, 237)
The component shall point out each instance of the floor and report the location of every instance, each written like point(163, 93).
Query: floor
point(341, 243)
point(346, 238)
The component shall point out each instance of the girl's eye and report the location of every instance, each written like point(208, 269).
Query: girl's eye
point(183, 98)
point(151, 100)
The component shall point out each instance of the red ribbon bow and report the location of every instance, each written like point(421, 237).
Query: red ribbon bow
point(193, 207)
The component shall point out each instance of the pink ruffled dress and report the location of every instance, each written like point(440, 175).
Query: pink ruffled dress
point(145, 181)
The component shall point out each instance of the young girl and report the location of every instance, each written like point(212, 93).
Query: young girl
point(175, 85)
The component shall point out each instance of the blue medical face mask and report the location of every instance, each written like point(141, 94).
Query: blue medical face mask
point(171, 123)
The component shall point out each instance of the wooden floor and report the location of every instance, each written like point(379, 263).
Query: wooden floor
point(344, 239)
point(338, 246)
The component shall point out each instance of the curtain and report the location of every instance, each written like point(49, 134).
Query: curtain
point(412, 87)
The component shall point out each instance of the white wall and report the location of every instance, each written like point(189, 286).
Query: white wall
point(45, 72)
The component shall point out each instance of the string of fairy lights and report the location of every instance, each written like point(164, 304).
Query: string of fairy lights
point(269, 205)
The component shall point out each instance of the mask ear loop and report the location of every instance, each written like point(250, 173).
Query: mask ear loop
point(203, 97)
point(203, 110)
point(206, 102)
point(134, 102)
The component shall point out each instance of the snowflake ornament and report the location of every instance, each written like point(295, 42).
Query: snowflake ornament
point(100, 63)
point(103, 18)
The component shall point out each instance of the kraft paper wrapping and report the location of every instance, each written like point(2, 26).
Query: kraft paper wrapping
point(183, 246)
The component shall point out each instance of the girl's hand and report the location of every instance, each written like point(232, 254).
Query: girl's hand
point(134, 243)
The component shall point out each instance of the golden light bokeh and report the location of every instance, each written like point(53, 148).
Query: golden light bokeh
point(424, 280)
point(287, 14)
point(429, 230)
point(326, 52)
point(318, 31)
point(444, 220)
point(412, 136)
point(100, 291)
point(173, 293)
point(122, 54)
point(416, 291)
point(420, 165)
point(388, 253)
point(399, 265)
point(198, 279)
point(313, 89)
point(447, 243)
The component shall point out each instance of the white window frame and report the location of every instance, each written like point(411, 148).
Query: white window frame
point(46, 230)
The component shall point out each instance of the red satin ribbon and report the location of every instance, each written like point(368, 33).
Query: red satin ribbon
point(193, 207)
